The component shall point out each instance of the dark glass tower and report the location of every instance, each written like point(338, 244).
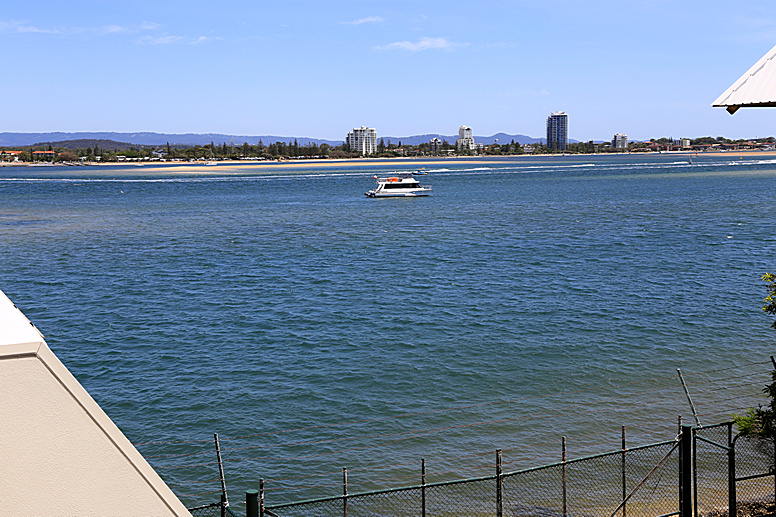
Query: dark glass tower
point(558, 131)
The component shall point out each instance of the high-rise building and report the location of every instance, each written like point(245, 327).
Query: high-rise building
point(465, 139)
point(620, 142)
point(362, 139)
point(558, 131)
point(435, 145)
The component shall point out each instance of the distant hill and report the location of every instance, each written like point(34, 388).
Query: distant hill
point(149, 139)
point(189, 139)
point(82, 143)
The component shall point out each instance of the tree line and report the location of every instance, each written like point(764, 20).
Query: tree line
point(68, 152)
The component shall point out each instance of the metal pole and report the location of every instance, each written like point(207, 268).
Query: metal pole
point(563, 445)
point(221, 469)
point(685, 472)
point(499, 494)
point(695, 470)
point(624, 480)
point(345, 491)
point(251, 503)
point(773, 362)
point(732, 499)
point(261, 497)
point(686, 392)
point(423, 486)
point(223, 505)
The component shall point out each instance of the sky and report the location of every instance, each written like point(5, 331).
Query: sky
point(647, 68)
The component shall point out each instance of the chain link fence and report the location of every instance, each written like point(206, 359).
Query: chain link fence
point(731, 470)
point(754, 472)
point(212, 510)
point(711, 474)
point(594, 486)
point(631, 482)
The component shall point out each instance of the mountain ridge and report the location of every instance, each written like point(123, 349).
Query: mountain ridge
point(10, 139)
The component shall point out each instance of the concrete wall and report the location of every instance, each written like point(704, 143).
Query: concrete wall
point(60, 454)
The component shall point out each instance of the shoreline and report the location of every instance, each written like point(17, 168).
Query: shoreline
point(184, 167)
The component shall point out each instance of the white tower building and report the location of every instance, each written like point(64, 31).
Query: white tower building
point(465, 139)
point(362, 139)
point(620, 142)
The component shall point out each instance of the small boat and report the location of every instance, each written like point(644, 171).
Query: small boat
point(400, 184)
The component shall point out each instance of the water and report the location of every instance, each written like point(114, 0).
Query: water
point(313, 328)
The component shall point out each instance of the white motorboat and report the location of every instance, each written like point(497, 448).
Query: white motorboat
point(399, 184)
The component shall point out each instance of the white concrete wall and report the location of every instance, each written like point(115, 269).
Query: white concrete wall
point(60, 454)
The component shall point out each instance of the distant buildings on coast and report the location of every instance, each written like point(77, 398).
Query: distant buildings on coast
point(620, 142)
point(558, 131)
point(363, 140)
point(465, 140)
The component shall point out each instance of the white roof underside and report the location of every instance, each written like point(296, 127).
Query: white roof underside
point(756, 88)
point(15, 328)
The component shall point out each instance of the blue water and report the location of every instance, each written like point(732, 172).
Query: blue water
point(314, 329)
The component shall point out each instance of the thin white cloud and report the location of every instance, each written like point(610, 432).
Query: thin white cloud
point(23, 27)
point(149, 26)
point(202, 39)
point(161, 40)
point(113, 29)
point(168, 39)
point(422, 44)
point(368, 19)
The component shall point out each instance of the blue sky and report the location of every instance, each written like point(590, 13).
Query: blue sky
point(649, 68)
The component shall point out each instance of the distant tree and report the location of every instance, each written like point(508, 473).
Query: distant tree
point(769, 306)
point(759, 422)
point(68, 156)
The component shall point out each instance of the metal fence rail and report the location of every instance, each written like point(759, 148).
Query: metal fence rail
point(592, 486)
point(706, 471)
point(212, 510)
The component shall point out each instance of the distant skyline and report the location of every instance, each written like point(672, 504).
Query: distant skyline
point(318, 69)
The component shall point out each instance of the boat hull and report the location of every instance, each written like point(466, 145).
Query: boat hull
point(421, 193)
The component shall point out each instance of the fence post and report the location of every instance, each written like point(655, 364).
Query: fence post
point(624, 480)
point(423, 486)
point(344, 491)
point(221, 469)
point(499, 494)
point(251, 503)
point(261, 498)
point(685, 472)
point(732, 499)
point(563, 445)
point(695, 470)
